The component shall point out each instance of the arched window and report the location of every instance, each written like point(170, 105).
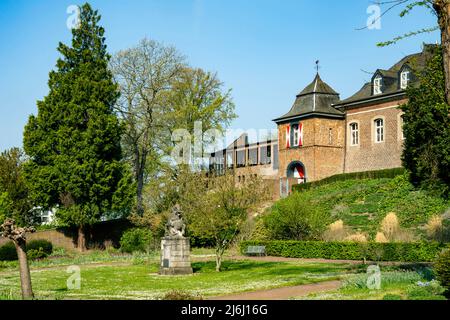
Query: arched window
point(377, 83)
point(379, 130)
point(354, 134)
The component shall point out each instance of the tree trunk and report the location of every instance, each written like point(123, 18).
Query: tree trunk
point(218, 262)
point(140, 188)
point(25, 278)
point(140, 163)
point(81, 239)
point(219, 255)
point(442, 8)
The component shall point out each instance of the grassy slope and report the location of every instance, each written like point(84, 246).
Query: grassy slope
point(362, 204)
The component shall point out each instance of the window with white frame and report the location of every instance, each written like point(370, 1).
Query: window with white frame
point(404, 79)
point(354, 134)
point(379, 130)
point(377, 83)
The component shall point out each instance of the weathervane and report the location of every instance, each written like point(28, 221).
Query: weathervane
point(317, 66)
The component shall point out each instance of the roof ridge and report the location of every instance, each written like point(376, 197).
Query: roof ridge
point(315, 90)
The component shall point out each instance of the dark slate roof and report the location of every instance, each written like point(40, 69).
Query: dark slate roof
point(416, 62)
point(315, 100)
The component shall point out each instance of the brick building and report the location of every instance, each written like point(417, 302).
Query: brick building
point(322, 135)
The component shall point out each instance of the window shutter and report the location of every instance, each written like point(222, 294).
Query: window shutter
point(288, 136)
point(300, 134)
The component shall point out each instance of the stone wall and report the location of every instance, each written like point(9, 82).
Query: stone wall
point(99, 236)
point(57, 238)
point(369, 155)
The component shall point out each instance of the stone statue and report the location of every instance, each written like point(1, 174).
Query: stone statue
point(175, 227)
point(175, 247)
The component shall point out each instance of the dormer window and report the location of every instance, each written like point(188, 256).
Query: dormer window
point(377, 83)
point(404, 79)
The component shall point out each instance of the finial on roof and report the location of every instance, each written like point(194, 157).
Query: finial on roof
point(317, 66)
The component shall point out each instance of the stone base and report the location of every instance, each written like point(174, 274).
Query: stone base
point(175, 271)
point(175, 256)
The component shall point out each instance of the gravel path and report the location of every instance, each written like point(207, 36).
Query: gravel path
point(283, 293)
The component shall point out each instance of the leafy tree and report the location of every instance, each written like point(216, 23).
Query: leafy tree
point(14, 194)
point(5, 206)
point(427, 127)
point(74, 141)
point(217, 207)
point(198, 96)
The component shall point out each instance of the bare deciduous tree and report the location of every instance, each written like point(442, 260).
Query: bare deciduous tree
point(145, 74)
point(217, 207)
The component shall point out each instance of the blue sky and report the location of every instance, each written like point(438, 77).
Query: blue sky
point(264, 50)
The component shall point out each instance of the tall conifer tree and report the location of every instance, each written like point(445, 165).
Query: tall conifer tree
point(74, 141)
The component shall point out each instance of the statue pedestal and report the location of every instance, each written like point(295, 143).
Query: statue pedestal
point(175, 256)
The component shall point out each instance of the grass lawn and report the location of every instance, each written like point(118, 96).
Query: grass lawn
point(111, 275)
point(137, 278)
point(396, 284)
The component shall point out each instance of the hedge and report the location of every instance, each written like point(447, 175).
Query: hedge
point(378, 174)
point(372, 251)
point(8, 250)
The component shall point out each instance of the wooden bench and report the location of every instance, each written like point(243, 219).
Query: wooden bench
point(256, 251)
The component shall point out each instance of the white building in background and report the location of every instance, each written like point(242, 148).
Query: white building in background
point(45, 217)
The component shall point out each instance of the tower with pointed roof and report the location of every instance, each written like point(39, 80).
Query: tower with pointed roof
point(311, 135)
point(322, 136)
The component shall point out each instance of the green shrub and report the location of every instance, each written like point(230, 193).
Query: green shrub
point(201, 242)
point(442, 269)
point(260, 231)
point(296, 218)
point(405, 252)
point(378, 174)
point(46, 246)
point(8, 252)
point(38, 248)
point(34, 254)
point(136, 240)
point(431, 290)
point(181, 295)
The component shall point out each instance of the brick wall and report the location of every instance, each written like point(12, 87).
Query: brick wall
point(323, 150)
point(369, 155)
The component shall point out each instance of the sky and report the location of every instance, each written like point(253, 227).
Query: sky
point(263, 50)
